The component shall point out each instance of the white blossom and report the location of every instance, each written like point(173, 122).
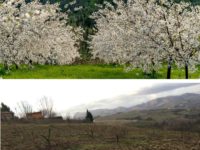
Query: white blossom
point(146, 34)
point(36, 33)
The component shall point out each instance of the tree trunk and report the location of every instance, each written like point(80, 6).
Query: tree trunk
point(169, 68)
point(17, 66)
point(5, 66)
point(153, 72)
point(117, 138)
point(169, 71)
point(186, 70)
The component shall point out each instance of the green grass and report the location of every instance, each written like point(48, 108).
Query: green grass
point(86, 71)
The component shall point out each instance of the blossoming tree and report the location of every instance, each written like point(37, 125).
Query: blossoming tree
point(148, 33)
point(36, 33)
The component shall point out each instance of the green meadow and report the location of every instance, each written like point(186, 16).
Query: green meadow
point(91, 71)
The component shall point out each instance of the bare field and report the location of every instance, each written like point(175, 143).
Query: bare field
point(97, 136)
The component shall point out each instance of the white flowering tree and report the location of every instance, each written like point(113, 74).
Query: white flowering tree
point(36, 33)
point(148, 33)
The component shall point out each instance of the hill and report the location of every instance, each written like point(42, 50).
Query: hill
point(185, 101)
point(183, 107)
point(102, 112)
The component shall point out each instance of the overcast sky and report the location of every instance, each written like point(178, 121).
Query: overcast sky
point(69, 94)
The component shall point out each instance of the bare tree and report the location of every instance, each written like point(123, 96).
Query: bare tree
point(118, 132)
point(46, 107)
point(24, 108)
point(67, 117)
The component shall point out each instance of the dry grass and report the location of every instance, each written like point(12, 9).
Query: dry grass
point(94, 137)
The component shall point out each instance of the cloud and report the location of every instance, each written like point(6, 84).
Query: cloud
point(130, 100)
point(164, 87)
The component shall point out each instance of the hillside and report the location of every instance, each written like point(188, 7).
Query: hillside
point(102, 112)
point(186, 107)
point(185, 101)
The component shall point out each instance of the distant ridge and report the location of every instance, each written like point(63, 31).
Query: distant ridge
point(102, 112)
point(185, 101)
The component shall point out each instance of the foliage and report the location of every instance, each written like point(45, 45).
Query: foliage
point(76, 13)
point(4, 108)
point(89, 117)
point(36, 33)
point(82, 18)
point(147, 34)
point(79, 12)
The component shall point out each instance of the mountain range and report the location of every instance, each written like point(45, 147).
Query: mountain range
point(185, 101)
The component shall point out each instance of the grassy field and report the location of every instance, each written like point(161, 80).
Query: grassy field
point(91, 72)
point(95, 136)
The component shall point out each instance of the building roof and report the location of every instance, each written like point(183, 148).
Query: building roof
point(7, 112)
point(34, 113)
